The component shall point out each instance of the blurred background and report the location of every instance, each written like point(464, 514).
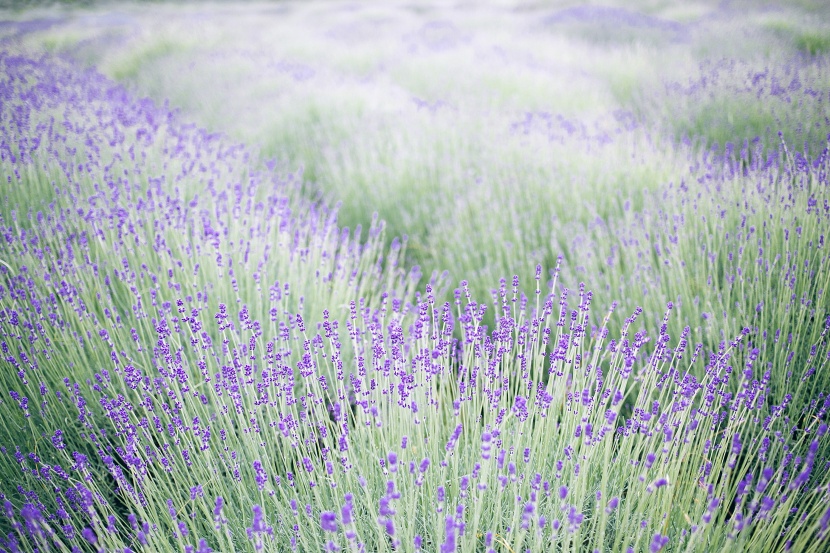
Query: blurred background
point(490, 134)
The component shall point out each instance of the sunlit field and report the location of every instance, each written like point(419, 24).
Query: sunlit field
point(456, 277)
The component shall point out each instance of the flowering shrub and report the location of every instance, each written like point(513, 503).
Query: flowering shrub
point(196, 358)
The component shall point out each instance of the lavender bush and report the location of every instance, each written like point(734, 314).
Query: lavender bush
point(199, 357)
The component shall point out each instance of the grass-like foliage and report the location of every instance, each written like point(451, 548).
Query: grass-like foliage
point(199, 356)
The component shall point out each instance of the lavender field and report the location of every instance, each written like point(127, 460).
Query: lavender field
point(441, 277)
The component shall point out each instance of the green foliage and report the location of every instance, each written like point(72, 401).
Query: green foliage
point(813, 43)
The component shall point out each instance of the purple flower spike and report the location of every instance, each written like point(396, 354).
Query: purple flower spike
point(260, 475)
point(736, 444)
point(486, 438)
point(659, 483)
point(57, 440)
point(328, 521)
point(766, 477)
point(575, 519)
point(454, 438)
point(89, 535)
point(449, 542)
point(218, 519)
point(658, 542)
point(346, 510)
point(520, 408)
point(258, 528)
point(385, 508)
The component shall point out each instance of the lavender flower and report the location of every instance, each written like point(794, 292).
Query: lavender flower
point(658, 542)
point(328, 521)
point(346, 510)
point(89, 535)
point(258, 529)
point(218, 519)
point(260, 475)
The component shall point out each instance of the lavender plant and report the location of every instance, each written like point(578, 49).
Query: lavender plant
point(197, 357)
